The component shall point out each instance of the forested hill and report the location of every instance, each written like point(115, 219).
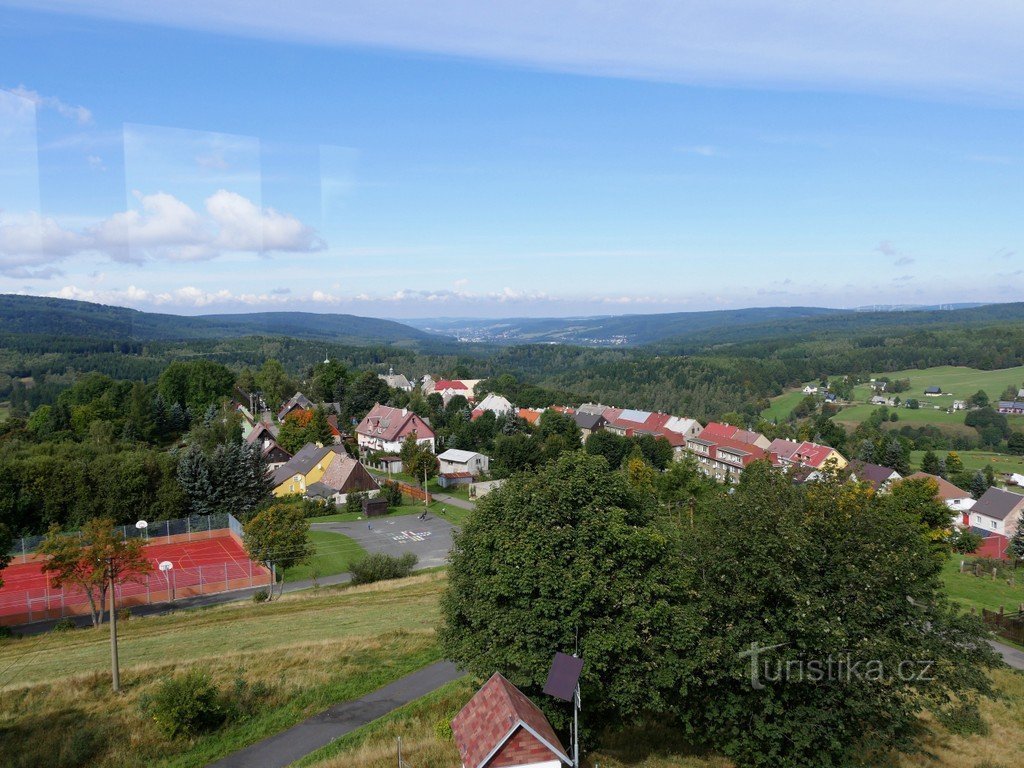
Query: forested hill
point(620, 330)
point(65, 318)
point(867, 327)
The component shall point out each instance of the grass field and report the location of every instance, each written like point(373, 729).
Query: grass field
point(917, 417)
point(783, 405)
point(5, 411)
point(310, 649)
point(982, 592)
point(975, 460)
point(956, 382)
point(334, 553)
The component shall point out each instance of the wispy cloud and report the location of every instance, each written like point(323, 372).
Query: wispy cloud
point(967, 50)
point(900, 259)
point(703, 150)
point(79, 114)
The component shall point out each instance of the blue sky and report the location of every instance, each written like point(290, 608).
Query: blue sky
point(523, 159)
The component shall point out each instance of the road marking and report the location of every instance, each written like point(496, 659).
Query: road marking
point(411, 536)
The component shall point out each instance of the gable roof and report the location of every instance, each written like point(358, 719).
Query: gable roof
point(391, 424)
point(585, 420)
point(810, 454)
point(298, 400)
point(308, 457)
point(998, 504)
point(947, 491)
point(260, 432)
point(453, 384)
point(873, 474)
point(496, 713)
point(345, 474)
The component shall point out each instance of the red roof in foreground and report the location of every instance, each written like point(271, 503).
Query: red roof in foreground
point(496, 713)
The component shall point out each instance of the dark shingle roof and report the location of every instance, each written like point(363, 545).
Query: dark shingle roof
point(997, 504)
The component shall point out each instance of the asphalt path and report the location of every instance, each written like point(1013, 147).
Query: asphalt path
point(286, 747)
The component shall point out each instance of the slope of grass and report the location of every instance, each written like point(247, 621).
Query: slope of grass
point(310, 650)
point(783, 405)
point(975, 460)
point(956, 382)
point(334, 553)
point(427, 742)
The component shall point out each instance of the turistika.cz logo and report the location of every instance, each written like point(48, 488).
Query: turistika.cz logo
point(835, 668)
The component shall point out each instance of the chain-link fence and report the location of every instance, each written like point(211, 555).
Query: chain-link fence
point(180, 529)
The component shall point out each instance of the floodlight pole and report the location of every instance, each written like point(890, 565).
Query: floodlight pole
point(576, 728)
point(114, 666)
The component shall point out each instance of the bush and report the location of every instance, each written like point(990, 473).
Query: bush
point(392, 493)
point(247, 697)
point(260, 596)
point(354, 502)
point(5, 632)
point(123, 614)
point(65, 625)
point(380, 567)
point(963, 719)
point(187, 705)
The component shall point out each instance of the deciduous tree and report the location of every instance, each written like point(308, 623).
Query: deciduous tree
point(279, 534)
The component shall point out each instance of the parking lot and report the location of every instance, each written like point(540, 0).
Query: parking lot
point(429, 539)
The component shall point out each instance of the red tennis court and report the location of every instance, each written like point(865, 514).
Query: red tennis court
point(215, 563)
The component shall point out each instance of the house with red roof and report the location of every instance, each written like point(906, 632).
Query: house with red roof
point(384, 429)
point(715, 430)
point(806, 454)
point(500, 726)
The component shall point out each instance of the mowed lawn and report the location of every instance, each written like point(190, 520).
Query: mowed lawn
point(306, 651)
point(334, 553)
point(783, 405)
point(917, 417)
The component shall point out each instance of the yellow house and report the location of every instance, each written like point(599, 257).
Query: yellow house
point(305, 468)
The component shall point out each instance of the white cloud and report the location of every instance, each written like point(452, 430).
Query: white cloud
point(79, 114)
point(703, 150)
point(162, 227)
point(96, 162)
point(946, 47)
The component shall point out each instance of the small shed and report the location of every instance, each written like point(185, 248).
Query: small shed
point(454, 479)
point(376, 507)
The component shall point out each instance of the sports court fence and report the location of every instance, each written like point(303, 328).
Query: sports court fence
point(192, 528)
point(45, 602)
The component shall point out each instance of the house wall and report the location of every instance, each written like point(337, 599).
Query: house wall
point(523, 750)
point(478, 465)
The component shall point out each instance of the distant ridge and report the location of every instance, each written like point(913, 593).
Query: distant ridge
point(64, 317)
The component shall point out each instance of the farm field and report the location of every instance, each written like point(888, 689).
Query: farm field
point(783, 405)
point(956, 382)
point(309, 649)
point(853, 415)
point(334, 553)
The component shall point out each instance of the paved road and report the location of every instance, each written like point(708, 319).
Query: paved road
point(1011, 656)
point(429, 539)
point(286, 747)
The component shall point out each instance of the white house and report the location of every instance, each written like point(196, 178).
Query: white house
point(998, 511)
point(1016, 478)
point(454, 461)
point(810, 389)
point(683, 426)
point(386, 428)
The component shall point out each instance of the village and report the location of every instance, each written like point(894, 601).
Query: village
point(366, 453)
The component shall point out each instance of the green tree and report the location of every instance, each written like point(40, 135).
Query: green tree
point(421, 464)
point(978, 484)
point(319, 429)
point(274, 383)
point(930, 463)
point(1015, 444)
point(953, 463)
point(570, 557)
point(1016, 547)
point(6, 542)
point(613, 448)
point(279, 534)
point(784, 576)
point(515, 453)
point(366, 391)
point(979, 399)
point(196, 384)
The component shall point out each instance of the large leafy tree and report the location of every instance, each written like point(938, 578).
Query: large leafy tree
point(570, 557)
point(91, 559)
point(279, 534)
point(784, 577)
point(195, 384)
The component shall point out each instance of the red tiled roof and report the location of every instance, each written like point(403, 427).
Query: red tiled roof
point(530, 415)
point(716, 430)
point(495, 713)
point(449, 384)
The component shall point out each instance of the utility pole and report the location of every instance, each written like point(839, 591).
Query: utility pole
point(114, 666)
point(426, 493)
